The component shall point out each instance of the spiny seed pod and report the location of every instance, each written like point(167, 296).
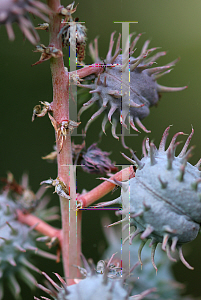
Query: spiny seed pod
point(163, 199)
point(17, 11)
point(16, 245)
point(26, 199)
point(128, 87)
point(163, 281)
point(96, 286)
point(92, 159)
point(17, 240)
point(96, 161)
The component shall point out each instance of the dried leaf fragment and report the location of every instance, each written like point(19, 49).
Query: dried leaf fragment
point(43, 26)
point(60, 187)
point(63, 129)
point(47, 53)
point(68, 10)
point(38, 112)
point(52, 156)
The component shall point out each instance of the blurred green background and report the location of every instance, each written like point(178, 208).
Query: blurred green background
point(175, 26)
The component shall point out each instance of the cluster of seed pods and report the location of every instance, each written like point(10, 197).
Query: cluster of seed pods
point(121, 98)
point(162, 201)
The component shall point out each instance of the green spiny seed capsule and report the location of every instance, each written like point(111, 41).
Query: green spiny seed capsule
point(163, 199)
point(100, 283)
point(17, 240)
point(162, 279)
point(16, 245)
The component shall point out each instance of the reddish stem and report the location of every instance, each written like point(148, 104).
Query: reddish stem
point(86, 71)
point(105, 187)
point(42, 226)
point(71, 246)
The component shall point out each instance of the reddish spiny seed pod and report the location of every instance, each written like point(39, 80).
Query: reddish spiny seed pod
point(163, 199)
point(17, 11)
point(96, 161)
point(123, 99)
point(93, 160)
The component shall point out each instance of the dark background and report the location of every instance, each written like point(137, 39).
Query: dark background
point(175, 26)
